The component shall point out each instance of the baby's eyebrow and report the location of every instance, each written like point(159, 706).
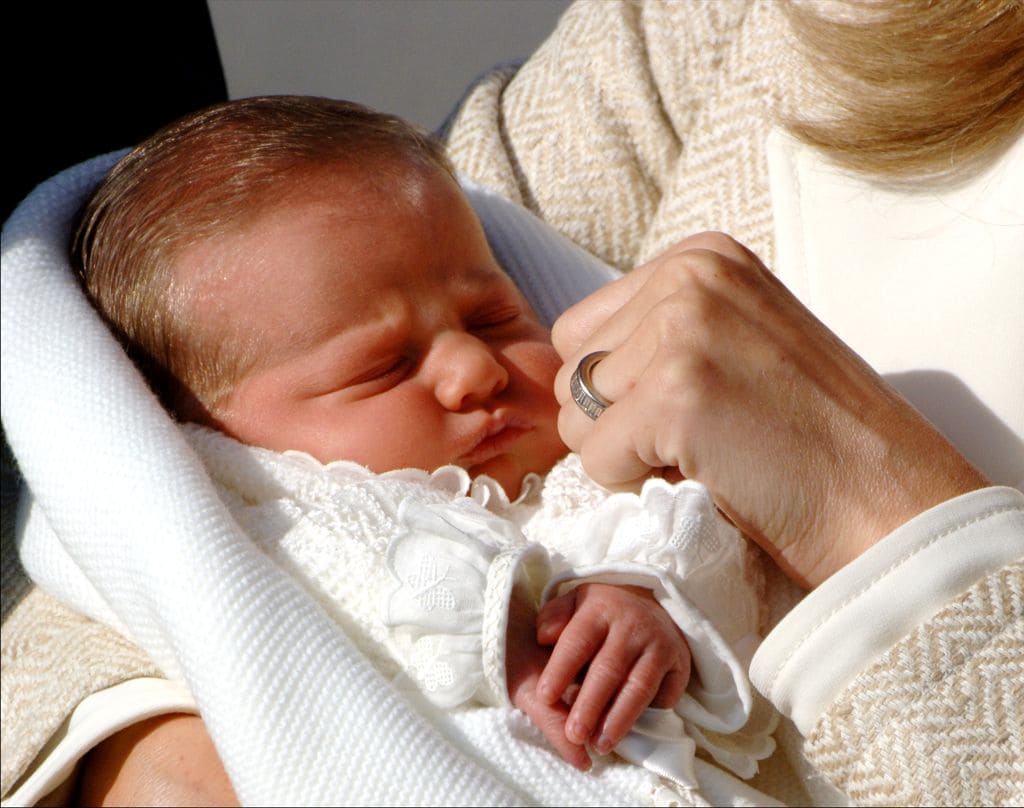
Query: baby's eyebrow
point(485, 282)
point(369, 338)
point(344, 356)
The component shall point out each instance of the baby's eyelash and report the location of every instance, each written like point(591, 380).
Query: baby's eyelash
point(496, 318)
point(385, 371)
point(399, 365)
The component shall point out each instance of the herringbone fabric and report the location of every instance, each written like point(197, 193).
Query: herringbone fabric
point(638, 124)
point(52, 659)
point(927, 713)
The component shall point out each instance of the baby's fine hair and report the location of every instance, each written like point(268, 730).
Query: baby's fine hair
point(203, 176)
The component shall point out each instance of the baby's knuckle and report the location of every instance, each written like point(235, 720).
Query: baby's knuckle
point(640, 690)
point(577, 645)
point(609, 671)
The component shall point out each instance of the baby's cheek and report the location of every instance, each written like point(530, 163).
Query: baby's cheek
point(538, 363)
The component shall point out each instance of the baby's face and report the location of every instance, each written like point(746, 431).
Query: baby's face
point(388, 334)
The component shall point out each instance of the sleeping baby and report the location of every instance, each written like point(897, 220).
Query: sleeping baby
point(308, 291)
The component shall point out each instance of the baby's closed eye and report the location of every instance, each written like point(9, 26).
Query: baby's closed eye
point(495, 318)
point(361, 381)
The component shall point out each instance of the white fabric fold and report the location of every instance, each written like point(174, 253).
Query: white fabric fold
point(453, 595)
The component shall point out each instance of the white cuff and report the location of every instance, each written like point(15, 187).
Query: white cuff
point(855, 616)
point(96, 718)
point(718, 704)
point(455, 567)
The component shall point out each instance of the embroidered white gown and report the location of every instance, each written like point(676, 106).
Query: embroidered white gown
point(418, 569)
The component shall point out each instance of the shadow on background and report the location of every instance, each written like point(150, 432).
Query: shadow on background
point(962, 417)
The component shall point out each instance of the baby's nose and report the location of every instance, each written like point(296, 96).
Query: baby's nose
point(468, 373)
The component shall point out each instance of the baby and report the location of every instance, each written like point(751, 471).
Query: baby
point(305, 279)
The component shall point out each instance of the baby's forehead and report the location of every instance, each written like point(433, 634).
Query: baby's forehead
point(393, 175)
point(334, 201)
point(358, 187)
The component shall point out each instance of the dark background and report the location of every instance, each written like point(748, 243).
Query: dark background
point(88, 78)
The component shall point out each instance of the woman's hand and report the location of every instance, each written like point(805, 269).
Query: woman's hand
point(718, 371)
point(167, 760)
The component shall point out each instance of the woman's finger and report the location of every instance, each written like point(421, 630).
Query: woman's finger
point(680, 299)
point(580, 324)
point(612, 448)
point(581, 321)
point(612, 378)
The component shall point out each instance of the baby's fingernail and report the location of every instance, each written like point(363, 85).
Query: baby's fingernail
point(574, 731)
point(603, 745)
point(546, 693)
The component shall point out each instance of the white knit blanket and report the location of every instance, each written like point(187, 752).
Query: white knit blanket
point(124, 525)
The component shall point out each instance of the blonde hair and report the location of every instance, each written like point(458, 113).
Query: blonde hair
point(919, 88)
point(204, 176)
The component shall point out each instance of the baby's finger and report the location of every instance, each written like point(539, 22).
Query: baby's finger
point(554, 616)
point(550, 720)
point(672, 687)
point(575, 648)
point(635, 696)
point(608, 674)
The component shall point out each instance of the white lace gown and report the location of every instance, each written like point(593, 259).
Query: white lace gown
point(418, 569)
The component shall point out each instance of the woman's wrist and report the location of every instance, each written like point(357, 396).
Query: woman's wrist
point(919, 472)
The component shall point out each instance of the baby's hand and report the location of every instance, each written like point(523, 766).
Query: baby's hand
point(636, 657)
point(525, 660)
